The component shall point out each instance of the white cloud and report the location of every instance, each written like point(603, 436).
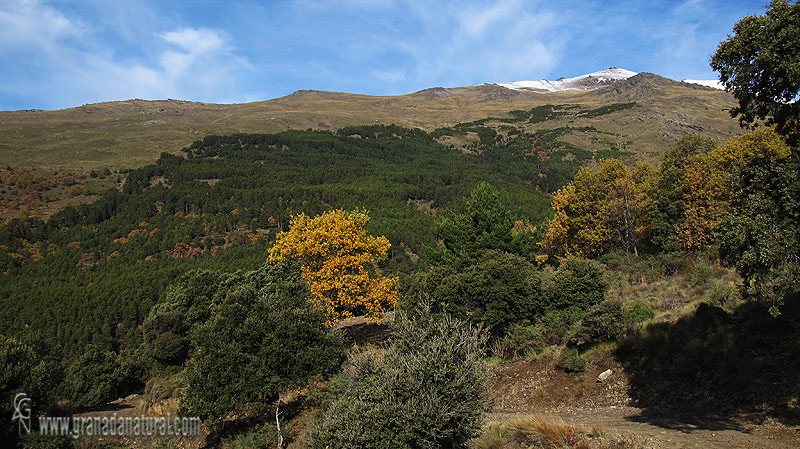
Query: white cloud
point(475, 21)
point(430, 43)
point(505, 40)
point(176, 64)
point(69, 63)
point(26, 24)
point(196, 40)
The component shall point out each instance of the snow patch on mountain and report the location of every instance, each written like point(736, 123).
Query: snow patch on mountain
point(589, 81)
point(716, 84)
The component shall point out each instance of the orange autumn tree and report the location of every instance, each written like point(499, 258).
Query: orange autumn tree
point(334, 252)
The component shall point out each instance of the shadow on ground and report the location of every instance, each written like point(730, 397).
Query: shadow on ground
point(717, 370)
point(361, 331)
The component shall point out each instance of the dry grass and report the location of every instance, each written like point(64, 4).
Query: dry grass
point(536, 432)
point(531, 431)
point(551, 435)
point(598, 430)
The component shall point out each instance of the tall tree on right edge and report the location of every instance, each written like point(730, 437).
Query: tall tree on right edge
point(760, 236)
point(760, 66)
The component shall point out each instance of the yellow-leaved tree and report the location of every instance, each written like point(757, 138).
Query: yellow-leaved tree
point(709, 179)
point(602, 208)
point(335, 252)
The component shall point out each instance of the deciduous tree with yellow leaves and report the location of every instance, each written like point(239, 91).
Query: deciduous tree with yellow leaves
point(711, 179)
point(603, 208)
point(335, 252)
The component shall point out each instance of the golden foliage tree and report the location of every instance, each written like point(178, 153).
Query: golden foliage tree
point(602, 208)
point(709, 177)
point(335, 251)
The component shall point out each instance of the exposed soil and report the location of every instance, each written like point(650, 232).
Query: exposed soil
point(536, 386)
point(133, 406)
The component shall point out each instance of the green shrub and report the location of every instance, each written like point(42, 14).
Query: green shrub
point(100, 376)
point(723, 294)
point(185, 304)
point(699, 274)
point(651, 267)
point(604, 322)
point(166, 334)
point(262, 337)
point(570, 361)
point(33, 369)
point(521, 340)
point(497, 291)
point(556, 324)
point(579, 283)
point(160, 388)
point(609, 321)
point(637, 312)
point(428, 390)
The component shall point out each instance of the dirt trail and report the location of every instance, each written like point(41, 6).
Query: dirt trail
point(669, 432)
point(534, 386)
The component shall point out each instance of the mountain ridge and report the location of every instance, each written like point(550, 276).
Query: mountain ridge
point(132, 133)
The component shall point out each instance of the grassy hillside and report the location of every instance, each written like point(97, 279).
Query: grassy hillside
point(133, 133)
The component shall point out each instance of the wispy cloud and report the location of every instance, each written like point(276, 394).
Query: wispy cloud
point(27, 25)
point(475, 21)
point(66, 53)
point(197, 40)
point(73, 65)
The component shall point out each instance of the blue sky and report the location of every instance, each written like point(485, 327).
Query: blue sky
point(68, 53)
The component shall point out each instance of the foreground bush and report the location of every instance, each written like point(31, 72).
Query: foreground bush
point(185, 304)
point(263, 336)
point(34, 369)
point(428, 390)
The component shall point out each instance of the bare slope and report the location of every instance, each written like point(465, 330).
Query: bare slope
point(132, 133)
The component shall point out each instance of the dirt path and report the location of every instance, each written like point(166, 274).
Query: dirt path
point(534, 386)
point(670, 432)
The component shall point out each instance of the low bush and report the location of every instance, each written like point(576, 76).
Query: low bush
point(570, 361)
point(723, 294)
point(520, 341)
point(100, 376)
point(556, 324)
point(579, 283)
point(262, 337)
point(637, 312)
point(609, 321)
point(428, 390)
point(34, 369)
point(647, 268)
point(699, 274)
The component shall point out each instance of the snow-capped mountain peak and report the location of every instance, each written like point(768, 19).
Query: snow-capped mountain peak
point(589, 81)
point(716, 84)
